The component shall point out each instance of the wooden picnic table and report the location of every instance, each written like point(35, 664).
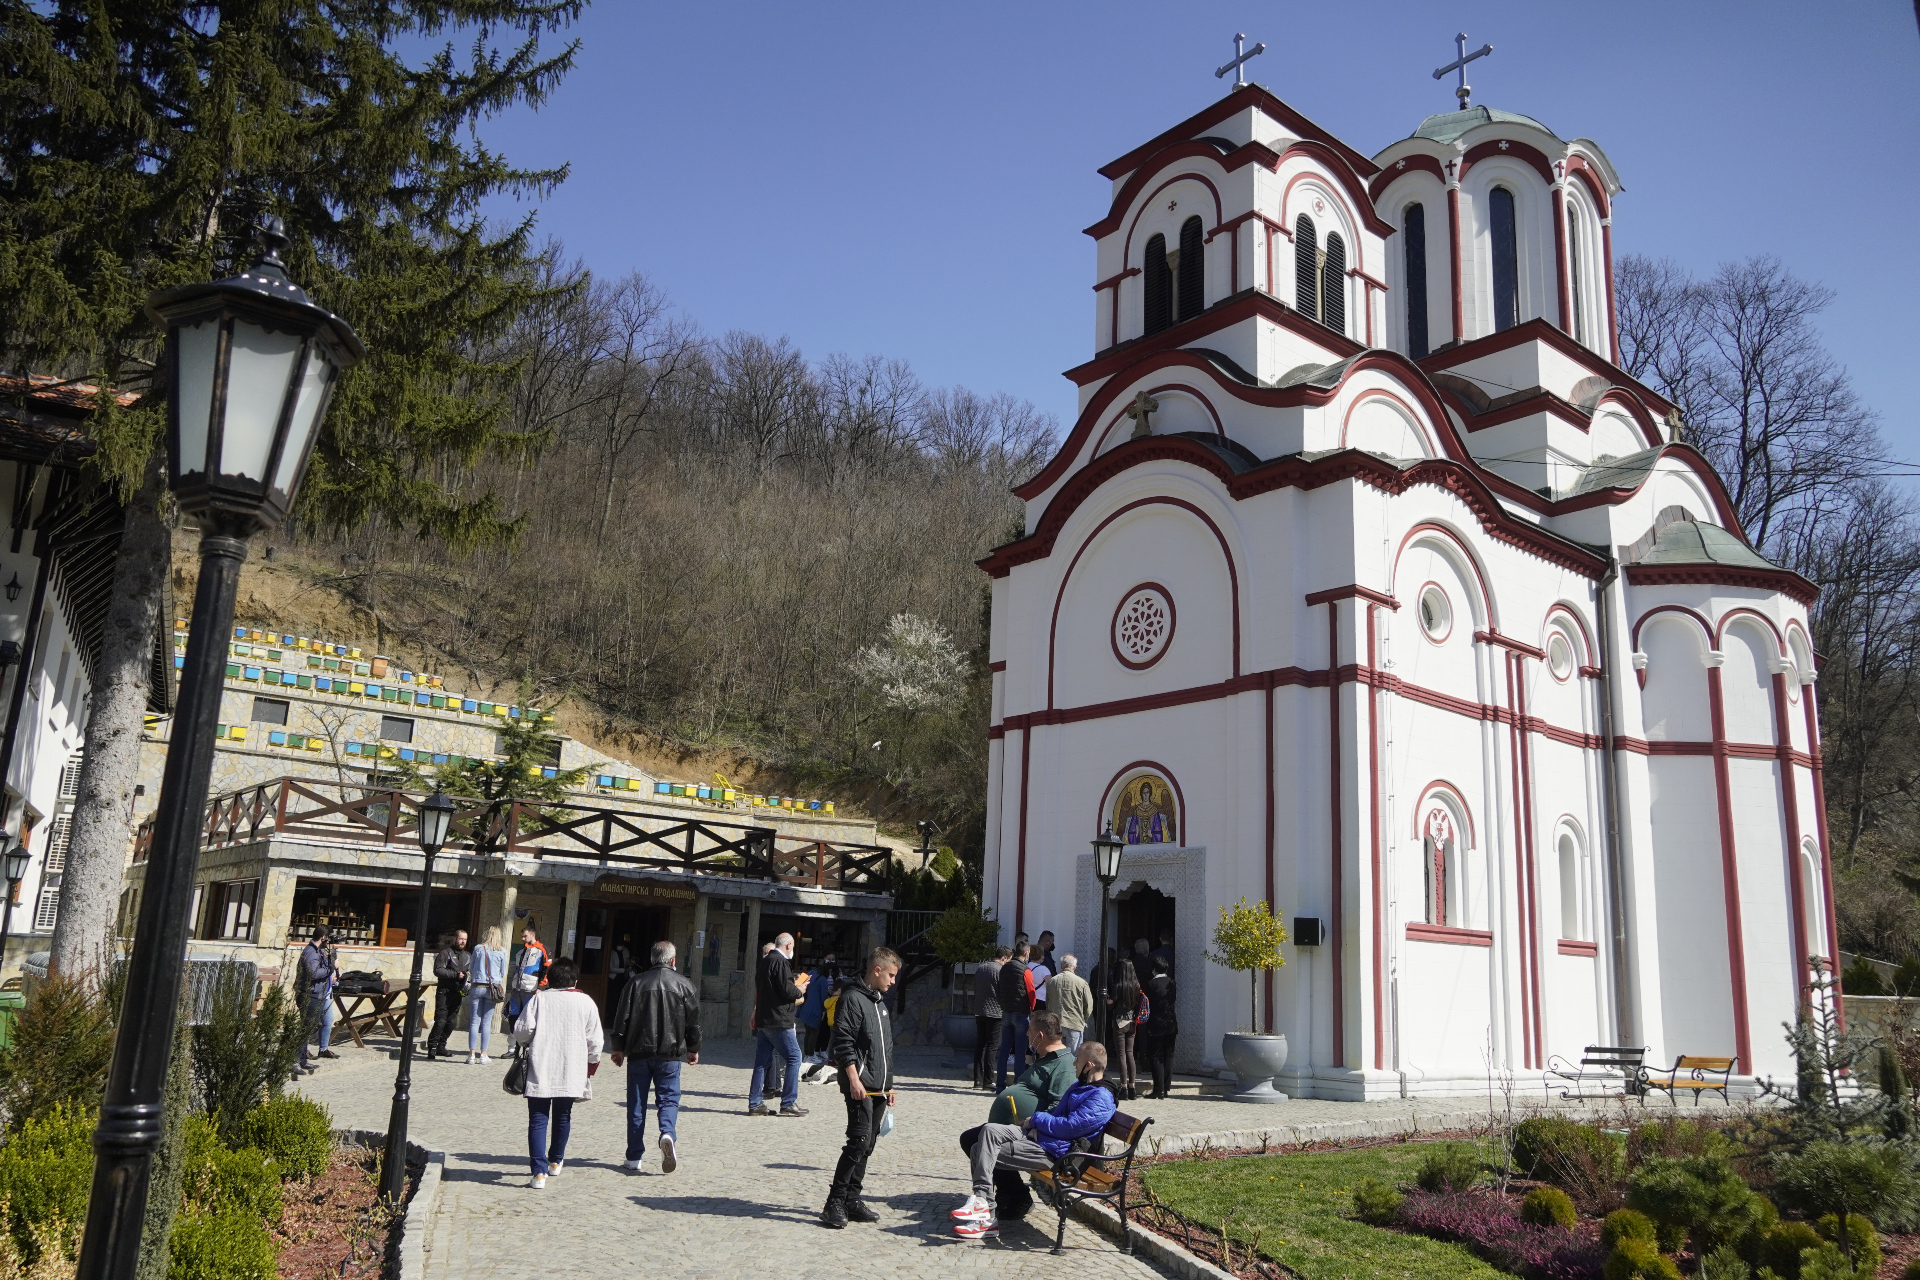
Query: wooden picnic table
point(386, 1008)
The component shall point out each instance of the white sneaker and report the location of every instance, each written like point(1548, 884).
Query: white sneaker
point(668, 1160)
point(484, 1059)
point(975, 1207)
point(984, 1227)
point(553, 1169)
point(631, 1166)
point(470, 1059)
point(539, 1182)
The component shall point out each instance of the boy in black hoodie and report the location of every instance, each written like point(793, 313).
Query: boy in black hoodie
point(863, 1050)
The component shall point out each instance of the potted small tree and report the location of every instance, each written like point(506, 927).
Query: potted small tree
point(962, 935)
point(1247, 940)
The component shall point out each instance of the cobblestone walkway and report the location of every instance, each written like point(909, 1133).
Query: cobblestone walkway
point(744, 1198)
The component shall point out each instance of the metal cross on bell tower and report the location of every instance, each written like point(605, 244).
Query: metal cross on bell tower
point(1465, 91)
point(1239, 63)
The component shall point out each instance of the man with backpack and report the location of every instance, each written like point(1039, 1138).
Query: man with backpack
point(1015, 989)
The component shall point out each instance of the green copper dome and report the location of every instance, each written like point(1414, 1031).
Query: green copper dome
point(1449, 125)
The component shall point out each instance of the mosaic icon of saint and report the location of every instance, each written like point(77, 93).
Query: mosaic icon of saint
point(1146, 812)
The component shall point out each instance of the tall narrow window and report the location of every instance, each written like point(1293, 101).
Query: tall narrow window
point(1506, 260)
point(1306, 268)
point(1579, 328)
point(1440, 850)
point(1333, 284)
point(1414, 229)
point(1193, 269)
point(1158, 281)
point(1569, 887)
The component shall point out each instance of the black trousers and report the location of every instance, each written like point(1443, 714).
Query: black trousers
point(1160, 1061)
point(863, 1127)
point(986, 1038)
point(446, 1012)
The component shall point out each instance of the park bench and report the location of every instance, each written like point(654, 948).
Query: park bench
point(1600, 1069)
point(1695, 1073)
point(1089, 1175)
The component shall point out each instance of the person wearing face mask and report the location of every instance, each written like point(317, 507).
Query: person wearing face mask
point(1071, 1124)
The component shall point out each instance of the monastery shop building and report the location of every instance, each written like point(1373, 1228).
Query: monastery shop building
point(316, 829)
point(1368, 585)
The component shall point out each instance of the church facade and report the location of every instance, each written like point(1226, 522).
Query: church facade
point(1366, 584)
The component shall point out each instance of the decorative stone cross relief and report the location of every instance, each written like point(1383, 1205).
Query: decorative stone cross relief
point(1141, 411)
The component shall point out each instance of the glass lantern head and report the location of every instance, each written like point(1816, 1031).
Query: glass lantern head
point(1107, 848)
point(436, 815)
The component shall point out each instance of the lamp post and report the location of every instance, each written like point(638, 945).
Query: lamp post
point(1107, 848)
point(250, 365)
point(436, 814)
point(17, 859)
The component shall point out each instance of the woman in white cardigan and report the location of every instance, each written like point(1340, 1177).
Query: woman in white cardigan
point(561, 1028)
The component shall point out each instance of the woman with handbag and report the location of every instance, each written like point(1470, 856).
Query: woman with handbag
point(486, 988)
point(560, 1028)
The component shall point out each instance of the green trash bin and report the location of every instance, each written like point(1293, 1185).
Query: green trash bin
point(11, 1002)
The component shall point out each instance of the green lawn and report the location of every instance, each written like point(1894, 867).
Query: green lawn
point(1299, 1205)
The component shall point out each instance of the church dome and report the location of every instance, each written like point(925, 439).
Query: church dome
point(1449, 125)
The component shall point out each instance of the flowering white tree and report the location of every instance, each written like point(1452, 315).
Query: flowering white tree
point(915, 667)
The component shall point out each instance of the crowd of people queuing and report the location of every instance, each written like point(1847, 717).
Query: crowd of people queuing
point(1032, 1013)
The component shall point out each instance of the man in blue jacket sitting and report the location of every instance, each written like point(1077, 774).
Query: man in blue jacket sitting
point(1079, 1116)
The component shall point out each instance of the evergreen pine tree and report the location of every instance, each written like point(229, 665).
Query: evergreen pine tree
point(137, 144)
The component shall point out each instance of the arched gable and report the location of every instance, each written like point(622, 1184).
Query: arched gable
point(1385, 411)
point(1671, 647)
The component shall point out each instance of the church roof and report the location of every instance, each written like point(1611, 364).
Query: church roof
point(1617, 473)
point(1449, 125)
point(1698, 542)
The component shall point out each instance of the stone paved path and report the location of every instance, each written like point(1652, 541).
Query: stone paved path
point(744, 1199)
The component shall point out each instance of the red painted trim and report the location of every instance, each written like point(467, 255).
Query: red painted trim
point(1113, 627)
point(1542, 402)
point(1339, 913)
point(1695, 615)
point(1380, 393)
point(1425, 634)
point(1453, 257)
point(1401, 168)
point(1538, 330)
point(1343, 174)
point(1519, 866)
point(1729, 870)
point(1418, 931)
point(1222, 315)
point(1001, 665)
point(1514, 150)
point(1532, 934)
point(1578, 166)
point(1272, 901)
point(1790, 816)
point(1574, 947)
point(1560, 259)
point(1375, 873)
point(1438, 787)
point(1826, 849)
point(1251, 95)
point(1113, 423)
point(1508, 642)
point(1784, 581)
point(1113, 281)
point(1179, 796)
point(1126, 246)
point(1020, 875)
point(1589, 667)
point(1233, 573)
point(1460, 545)
point(1353, 591)
point(1720, 631)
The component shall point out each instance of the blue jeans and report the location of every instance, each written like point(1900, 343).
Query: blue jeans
point(1013, 1043)
point(663, 1074)
point(788, 1045)
point(546, 1151)
point(328, 1013)
point(480, 1003)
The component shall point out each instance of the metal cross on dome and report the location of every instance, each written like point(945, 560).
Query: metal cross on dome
point(1465, 91)
point(1239, 64)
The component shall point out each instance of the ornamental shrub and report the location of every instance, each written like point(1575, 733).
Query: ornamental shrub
point(245, 1053)
point(230, 1244)
point(1375, 1202)
point(1723, 1263)
point(1782, 1247)
point(1863, 1242)
point(1912, 1272)
point(1700, 1196)
point(1490, 1228)
point(1449, 1168)
point(1570, 1155)
point(61, 1048)
point(1828, 1263)
point(1626, 1224)
point(217, 1179)
point(46, 1172)
point(1827, 1176)
point(1548, 1207)
point(1638, 1260)
point(296, 1133)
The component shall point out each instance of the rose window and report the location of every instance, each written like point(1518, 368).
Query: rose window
point(1143, 626)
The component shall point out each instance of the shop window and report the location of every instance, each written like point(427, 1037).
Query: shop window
point(234, 902)
point(373, 915)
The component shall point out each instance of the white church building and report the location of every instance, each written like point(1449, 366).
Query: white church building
point(1368, 585)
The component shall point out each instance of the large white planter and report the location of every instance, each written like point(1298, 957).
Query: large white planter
point(1255, 1060)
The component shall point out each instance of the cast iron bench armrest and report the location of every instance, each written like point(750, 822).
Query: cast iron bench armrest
point(1067, 1182)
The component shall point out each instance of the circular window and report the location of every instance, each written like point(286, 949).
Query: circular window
point(1143, 625)
point(1560, 656)
point(1436, 613)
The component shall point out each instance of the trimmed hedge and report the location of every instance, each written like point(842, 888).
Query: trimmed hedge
point(296, 1133)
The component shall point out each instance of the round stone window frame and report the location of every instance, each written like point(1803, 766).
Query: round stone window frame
point(1113, 627)
point(1420, 612)
point(1560, 642)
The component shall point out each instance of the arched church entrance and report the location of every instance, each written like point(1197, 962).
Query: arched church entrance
point(1144, 912)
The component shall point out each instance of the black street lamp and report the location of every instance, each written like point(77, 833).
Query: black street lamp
point(17, 859)
point(250, 364)
point(1107, 848)
point(436, 814)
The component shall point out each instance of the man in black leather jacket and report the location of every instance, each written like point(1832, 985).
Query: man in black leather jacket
point(656, 1025)
point(863, 1050)
point(451, 964)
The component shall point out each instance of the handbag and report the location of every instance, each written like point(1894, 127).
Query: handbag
point(515, 1081)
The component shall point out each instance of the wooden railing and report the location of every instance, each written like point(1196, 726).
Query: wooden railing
point(307, 808)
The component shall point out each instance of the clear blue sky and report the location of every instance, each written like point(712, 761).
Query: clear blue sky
point(911, 180)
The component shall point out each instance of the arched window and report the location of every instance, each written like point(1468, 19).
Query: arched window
point(1570, 886)
point(1306, 268)
point(1440, 843)
point(1506, 260)
point(1333, 284)
point(1815, 897)
point(1414, 231)
point(1159, 285)
point(1579, 326)
point(1193, 270)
